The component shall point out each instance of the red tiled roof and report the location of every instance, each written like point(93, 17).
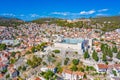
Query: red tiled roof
point(1, 76)
point(0, 59)
point(110, 66)
point(67, 71)
point(102, 66)
point(78, 73)
point(117, 66)
point(50, 67)
point(37, 78)
point(11, 66)
point(75, 73)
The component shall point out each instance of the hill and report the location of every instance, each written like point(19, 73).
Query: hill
point(10, 22)
point(112, 19)
point(46, 20)
point(107, 23)
point(58, 21)
point(104, 23)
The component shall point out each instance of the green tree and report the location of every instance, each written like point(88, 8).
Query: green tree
point(20, 68)
point(28, 52)
point(44, 63)
point(75, 61)
point(29, 62)
point(12, 61)
point(87, 68)
point(114, 49)
point(118, 55)
point(66, 61)
point(7, 76)
point(2, 47)
point(59, 69)
point(81, 69)
point(95, 56)
point(24, 68)
point(36, 61)
point(43, 44)
point(38, 47)
point(104, 48)
point(74, 68)
point(85, 76)
point(33, 49)
point(13, 54)
point(86, 55)
point(48, 75)
point(56, 51)
point(104, 58)
point(4, 71)
point(114, 72)
point(110, 54)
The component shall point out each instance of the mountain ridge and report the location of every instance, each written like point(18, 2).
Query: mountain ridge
point(10, 21)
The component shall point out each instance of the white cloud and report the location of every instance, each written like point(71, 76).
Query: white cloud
point(87, 12)
point(61, 13)
point(103, 10)
point(74, 14)
point(22, 15)
point(100, 14)
point(8, 14)
point(34, 15)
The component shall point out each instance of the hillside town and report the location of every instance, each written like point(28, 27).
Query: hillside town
point(34, 51)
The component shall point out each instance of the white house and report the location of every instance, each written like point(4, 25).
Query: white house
point(11, 42)
point(115, 78)
point(44, 69)
point(78, 75)
point(67, 74)
point(70, 75)
point(101, 68)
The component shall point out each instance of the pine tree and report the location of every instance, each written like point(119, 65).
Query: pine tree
point(102, 47)
point(75, 61)
point(104, 57)
point(86, 55)
point(118, 55)
point(114, 49)
point(110, 54)
point(95, 56)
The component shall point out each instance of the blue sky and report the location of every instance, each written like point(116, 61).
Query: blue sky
point(70, 9)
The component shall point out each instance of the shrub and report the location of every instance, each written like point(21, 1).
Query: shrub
point(56, 51)
point(75, 61)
